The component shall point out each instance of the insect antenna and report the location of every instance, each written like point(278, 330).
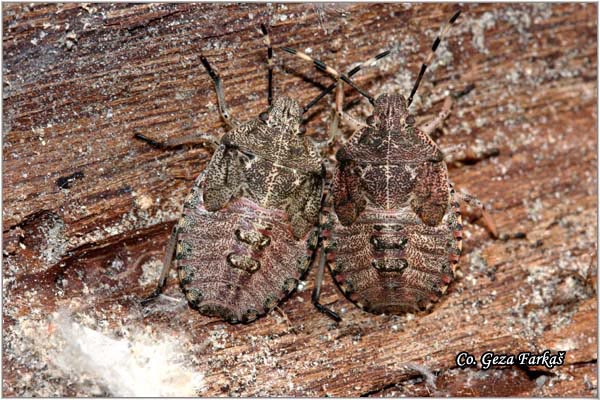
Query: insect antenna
point(350, 73)
point(429, 58)
point(320, 65)
point(267, 40)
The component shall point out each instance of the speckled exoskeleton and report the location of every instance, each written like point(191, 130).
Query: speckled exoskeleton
point(394, 240)
point(249, 226)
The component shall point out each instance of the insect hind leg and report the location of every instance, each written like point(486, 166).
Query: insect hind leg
point(167, 260)
point(316, 294)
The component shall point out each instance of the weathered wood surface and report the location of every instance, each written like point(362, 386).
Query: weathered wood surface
point(80, 80)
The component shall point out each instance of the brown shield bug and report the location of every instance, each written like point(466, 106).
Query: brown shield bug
point(394, 240)
point(249, 228)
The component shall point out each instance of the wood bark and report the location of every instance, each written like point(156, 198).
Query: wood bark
point(87, 210)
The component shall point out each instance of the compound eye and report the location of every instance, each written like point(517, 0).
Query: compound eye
point(410, 120)
point(302, 129)
point(371, 120)
point(263, 116)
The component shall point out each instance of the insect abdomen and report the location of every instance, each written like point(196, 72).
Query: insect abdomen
point(391, 262)
point(239, 262)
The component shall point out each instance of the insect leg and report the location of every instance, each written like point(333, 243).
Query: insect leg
point(267, 40)
point(223, 109)
point(429, 58)
point(476, 211)
point(459, 153)
point(316, 294)
point(166, 266)
point(469, 154)
point(432, 125)
point(317, 290)
point(339, 108)
point(195, 138)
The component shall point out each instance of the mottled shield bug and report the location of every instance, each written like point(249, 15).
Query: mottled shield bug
point(249, 228)
point(394, 238)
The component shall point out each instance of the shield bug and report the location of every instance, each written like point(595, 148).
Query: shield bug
point(249, 228)
point(394, 239)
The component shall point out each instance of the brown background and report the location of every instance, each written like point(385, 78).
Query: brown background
point(80, 80)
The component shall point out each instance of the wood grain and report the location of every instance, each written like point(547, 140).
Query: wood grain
point(88, 210)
